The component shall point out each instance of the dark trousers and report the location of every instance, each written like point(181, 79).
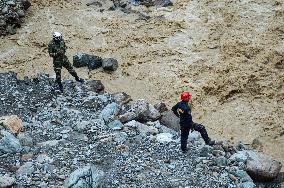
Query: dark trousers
point(185, 128)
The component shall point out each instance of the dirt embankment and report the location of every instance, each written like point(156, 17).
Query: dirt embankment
point(229, 53)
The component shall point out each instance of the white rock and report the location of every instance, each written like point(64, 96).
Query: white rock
point(164, 137)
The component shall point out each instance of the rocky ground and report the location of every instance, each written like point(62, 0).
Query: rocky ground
point(77, 139)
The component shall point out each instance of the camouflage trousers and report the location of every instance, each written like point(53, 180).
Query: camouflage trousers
point(57, 65)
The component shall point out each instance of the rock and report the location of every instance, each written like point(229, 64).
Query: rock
point(248, 185)
point(6, 181)
point(163, 3)
point(240, 156)
point(115, 125)
point(120, 138)
point(161, 107)
point(94, 85)
point(26, 4)
point(87, 177)
point(121, 98)
point(221, 161)
point(243, 175)
point(141, 109)
point(25, 170)
point(13, 123)
point(153, 114)
point(82, 60)
point(109, 112)
point(164, 137)
point(110, 64)
point(170, 120)
point(206, 151)
point(21, 13)
point(262, 167)
point(11, 3)
point(44, 158)
point(144, 112)
point(142, 128)
point(128, 116)
point(25, 139)
point(50, 143)
point(83, 126)
point(8, 143)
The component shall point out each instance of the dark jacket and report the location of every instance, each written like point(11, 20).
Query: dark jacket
point(182, 110)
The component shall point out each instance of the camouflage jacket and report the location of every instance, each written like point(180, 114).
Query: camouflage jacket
point(57, 50)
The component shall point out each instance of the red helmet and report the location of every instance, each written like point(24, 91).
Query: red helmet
point(185, 96)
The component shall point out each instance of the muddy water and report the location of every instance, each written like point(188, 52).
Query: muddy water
point(228, 54)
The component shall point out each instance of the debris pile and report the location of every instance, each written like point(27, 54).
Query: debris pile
point(87, 137)
point(12, 14)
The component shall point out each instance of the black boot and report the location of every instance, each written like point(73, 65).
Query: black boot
point(77, 78)
point(60, 86)
point(81, 80)
point(210, 142)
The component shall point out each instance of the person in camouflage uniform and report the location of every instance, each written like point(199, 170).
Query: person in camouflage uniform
point(57, 49)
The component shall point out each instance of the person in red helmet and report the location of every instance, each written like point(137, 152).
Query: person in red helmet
point(183, 110)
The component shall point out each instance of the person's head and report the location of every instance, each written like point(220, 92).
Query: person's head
point(185, 96)
point(57, 37)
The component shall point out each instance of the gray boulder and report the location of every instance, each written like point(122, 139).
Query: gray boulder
point(143, 129)
point(262, 167)
point(144, 112)
point(161, 107)
point(109, 112)
point(128, 116)
point(82, 60)
point(87, 177)
point(110, 64)
point(240, 156)
point(6, 181)
point(170, 120)
point(8, 143)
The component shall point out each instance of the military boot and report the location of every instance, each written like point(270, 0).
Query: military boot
point(210, 142)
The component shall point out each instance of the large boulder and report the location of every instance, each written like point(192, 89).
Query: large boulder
point(87, 177)
point(13, 123)
point(143, 129)
point(262, 167)
point(8, 143)
point(161, 107)
point(110, 64)
point(82, 60)
point(143, 111)
point(170, 120)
